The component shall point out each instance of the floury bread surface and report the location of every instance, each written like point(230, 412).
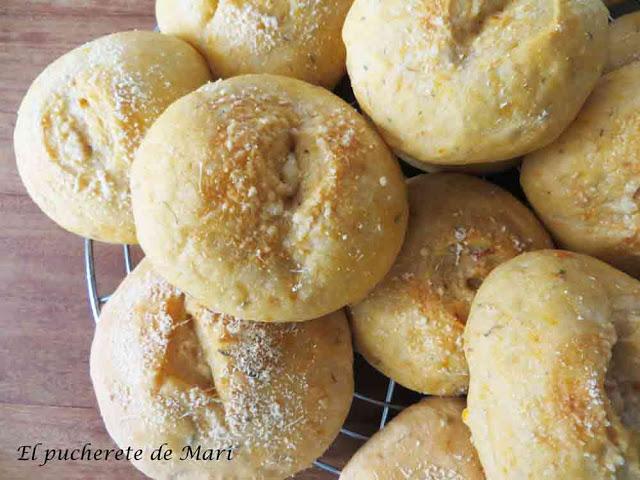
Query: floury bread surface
point(427, 441)
point(452, 82)
point(268, 199)
point(553, 345)
point(295, 38)
point(460, 228)
point(166, 370)
point(84, 116)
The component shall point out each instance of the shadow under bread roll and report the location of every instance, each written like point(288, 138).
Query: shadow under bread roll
point(460, 228)
point(427, 441)
point(166, 370)
point(553, 345)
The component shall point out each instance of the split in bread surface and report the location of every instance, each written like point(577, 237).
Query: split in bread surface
point(167, 370)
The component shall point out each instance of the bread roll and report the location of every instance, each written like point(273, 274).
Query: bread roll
point(295, 38)
point(84, 116)
point(167, 371)
point(427, 441)
point(553, 344)
point(585, 186)
point(460, 228)
point(624, 41)
point(456, 83)
point(268, 199)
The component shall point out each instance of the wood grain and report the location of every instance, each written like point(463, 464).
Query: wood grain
point(45, 321)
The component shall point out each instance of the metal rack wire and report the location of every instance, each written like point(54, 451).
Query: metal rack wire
point(386, 404)
point(96, 301)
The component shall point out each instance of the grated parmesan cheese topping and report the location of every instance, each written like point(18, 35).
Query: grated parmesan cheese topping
point(285, 170)
point(265, 26)
point(229, 383)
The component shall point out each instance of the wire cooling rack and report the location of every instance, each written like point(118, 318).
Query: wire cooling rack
point(381, 410)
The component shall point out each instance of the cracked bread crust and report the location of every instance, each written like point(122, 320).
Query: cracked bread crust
point(268, 199)
point(165, 369)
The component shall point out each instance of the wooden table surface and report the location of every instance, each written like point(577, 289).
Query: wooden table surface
point(45, 321)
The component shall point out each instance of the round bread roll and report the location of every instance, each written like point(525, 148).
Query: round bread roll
point(295, 38)
point(268, 199)
point(624, 41)
point(553, 344)
point(167, 371)
point(586, 186)
point(460, 228)
point(427, 441)
point(456, 83)
point(84, 116)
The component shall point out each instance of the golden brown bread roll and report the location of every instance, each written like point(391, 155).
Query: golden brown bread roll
point(84, 116)
point(460, 228)
point(427, 441)
point(450, 82)
point(268, 199)
point(553, 344)
point(166, 370)
point(586, 185)
point(624, 41)
point(295, 38)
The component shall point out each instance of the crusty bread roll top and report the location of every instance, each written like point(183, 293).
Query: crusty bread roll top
point(166, 370)
point(268, 199)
